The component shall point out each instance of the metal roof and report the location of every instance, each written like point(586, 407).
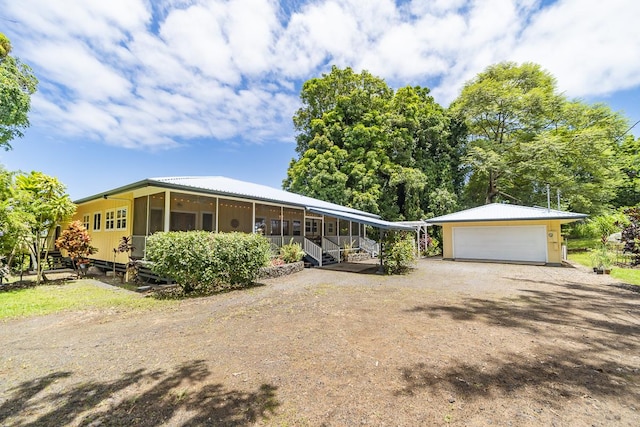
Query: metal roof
point(367, 220)
point(223, 186)
point(505, 212)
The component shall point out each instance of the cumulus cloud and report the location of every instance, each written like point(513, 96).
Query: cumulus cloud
point(153, 75)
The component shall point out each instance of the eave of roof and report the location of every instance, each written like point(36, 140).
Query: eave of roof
point(261, 193)
point(503, 212)
point(374, 222)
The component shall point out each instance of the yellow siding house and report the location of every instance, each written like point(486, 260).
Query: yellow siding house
point(215, 203)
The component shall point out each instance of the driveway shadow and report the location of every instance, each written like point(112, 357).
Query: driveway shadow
point(602, 321)
point(116, 403)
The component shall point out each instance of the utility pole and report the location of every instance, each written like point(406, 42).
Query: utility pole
point(548, 197)
point(558, 192)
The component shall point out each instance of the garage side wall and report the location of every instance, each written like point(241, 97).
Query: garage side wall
point(554, 239)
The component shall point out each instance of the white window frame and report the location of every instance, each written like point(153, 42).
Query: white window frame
point(110, 220)
point(86, 218)
point(121, 218)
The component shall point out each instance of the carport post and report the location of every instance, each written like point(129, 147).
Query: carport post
point(381, 268)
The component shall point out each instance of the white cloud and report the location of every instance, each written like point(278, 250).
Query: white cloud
point(591, 47)
point(154, 74)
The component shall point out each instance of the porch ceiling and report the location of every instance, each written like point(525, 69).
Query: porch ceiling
point(367, 220)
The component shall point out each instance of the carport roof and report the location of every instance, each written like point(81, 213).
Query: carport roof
point(505, 212)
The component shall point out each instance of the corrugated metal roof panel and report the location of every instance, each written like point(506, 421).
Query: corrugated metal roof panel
point(505, 212)
point(234, 187)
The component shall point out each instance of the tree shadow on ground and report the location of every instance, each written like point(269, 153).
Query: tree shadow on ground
point(584, 336)
point(588, 308)
point(141, 398)
point(554, 376)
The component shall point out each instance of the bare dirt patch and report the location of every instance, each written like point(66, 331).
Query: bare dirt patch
point(448, 344)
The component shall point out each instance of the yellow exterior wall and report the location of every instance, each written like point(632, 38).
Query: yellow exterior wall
point(554, 243)
point(107, 240)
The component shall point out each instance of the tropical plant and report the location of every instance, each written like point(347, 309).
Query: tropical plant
point(631, 235)
point(399, 252)
point(38, 204)
point(77, 242)
point(291, 252)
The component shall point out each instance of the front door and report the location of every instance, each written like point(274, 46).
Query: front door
point(313, 230)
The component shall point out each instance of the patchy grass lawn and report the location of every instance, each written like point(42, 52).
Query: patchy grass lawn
point(626, 275)
point(75, 295)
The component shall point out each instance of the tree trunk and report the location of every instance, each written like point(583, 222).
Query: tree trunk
point(492, 190)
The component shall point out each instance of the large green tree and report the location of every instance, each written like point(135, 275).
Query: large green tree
point(628, 155)
point(363, 145)
point(39, 203)
point(17, 84)
point(523, 134)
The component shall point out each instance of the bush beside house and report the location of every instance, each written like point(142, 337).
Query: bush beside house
point(201, 262)
point(400, 253)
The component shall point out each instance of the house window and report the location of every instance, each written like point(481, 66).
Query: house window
point(275, 227)
point(121, 218)
point(296, 227)
point(109, 220)
point(97, 221)
point(85, 221)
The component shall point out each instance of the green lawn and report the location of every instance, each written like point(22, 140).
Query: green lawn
point(583, 243)
point(75, 295)
point(626, 275)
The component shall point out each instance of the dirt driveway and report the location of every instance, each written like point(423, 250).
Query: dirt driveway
point(462, 344)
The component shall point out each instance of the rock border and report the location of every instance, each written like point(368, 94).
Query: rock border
point(280, 270)
point(363, 256)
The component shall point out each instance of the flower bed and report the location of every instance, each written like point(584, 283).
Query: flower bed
point(280, 270)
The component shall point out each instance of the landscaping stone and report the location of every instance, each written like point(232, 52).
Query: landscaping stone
point(280, 270)
point(363, 256)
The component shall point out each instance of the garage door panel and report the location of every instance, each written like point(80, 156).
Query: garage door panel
point(517, 243)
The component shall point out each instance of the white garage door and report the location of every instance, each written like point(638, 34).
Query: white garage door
point(521, 243)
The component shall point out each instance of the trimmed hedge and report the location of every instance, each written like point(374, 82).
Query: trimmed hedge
point(200, 261)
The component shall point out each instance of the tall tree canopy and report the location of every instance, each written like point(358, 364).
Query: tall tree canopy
point(523, 135)
point(363, 145)
point(17, 84)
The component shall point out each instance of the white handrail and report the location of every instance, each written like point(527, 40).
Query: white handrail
point(331, 248)
point(370, 246)
point(313, 250)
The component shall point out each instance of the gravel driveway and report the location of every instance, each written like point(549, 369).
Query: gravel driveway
point(451, 343)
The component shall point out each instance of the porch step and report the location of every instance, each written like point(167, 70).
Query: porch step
point(326, 260)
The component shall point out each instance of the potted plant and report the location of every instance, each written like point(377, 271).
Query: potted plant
point(602, 259)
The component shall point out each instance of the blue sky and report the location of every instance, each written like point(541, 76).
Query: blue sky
point(133, 89)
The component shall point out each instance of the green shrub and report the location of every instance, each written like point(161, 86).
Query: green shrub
point(399, 253)
point(201, 262)
point(291, 252)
